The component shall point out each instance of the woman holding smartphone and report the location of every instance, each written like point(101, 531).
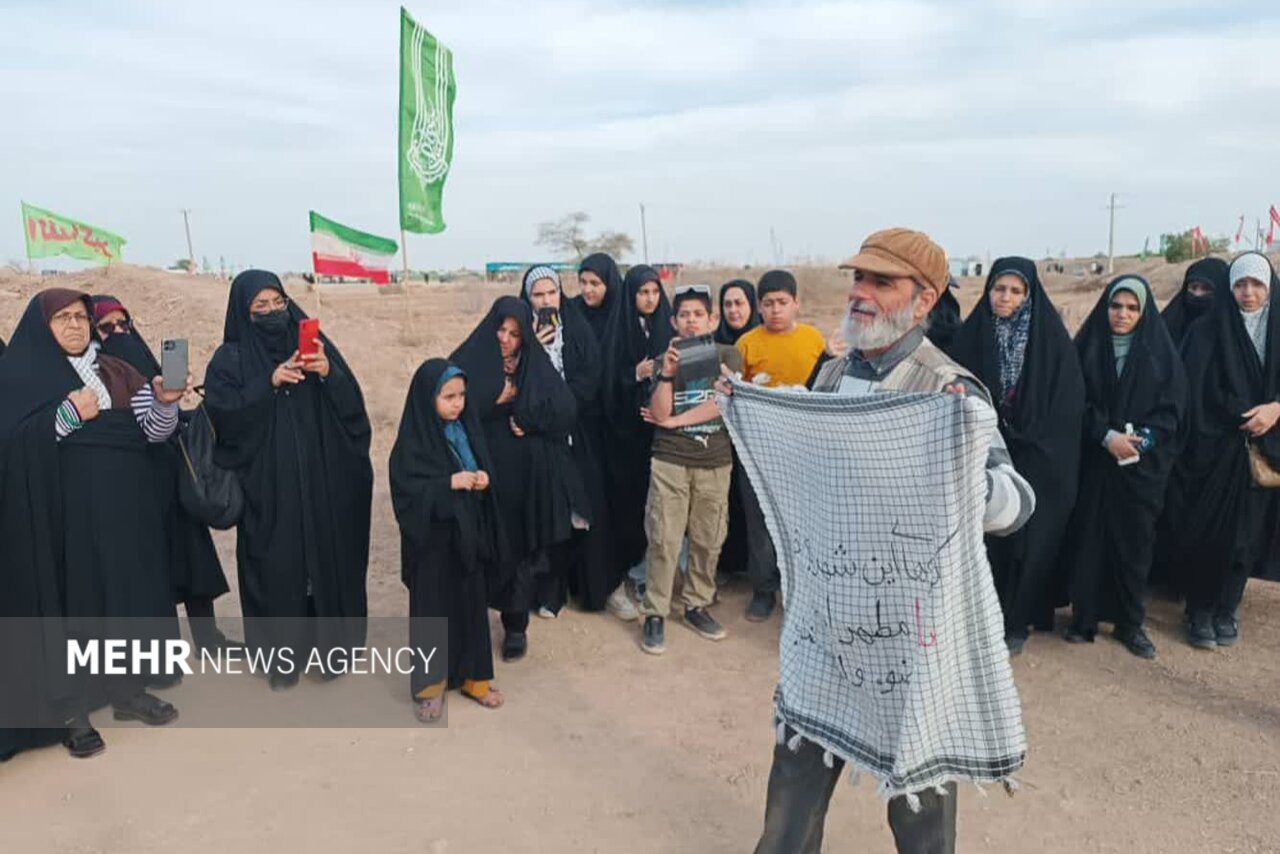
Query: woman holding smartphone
point(194, 569)
point(527, 413)
point(295, 430)
point(584, 567)
point(80, 543)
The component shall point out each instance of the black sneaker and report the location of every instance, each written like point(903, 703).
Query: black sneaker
point(1136, 641)
point(514, 646)
point(1226, 630)
point(761, 607)
point(1200, 633)
point(701, 621)
point(655, 636)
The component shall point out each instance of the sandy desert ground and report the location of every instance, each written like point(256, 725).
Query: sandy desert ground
point(603, 749)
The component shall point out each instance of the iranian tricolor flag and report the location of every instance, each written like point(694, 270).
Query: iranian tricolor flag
point(337, 250)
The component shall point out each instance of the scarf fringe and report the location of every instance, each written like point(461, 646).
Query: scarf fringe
point(884, 790)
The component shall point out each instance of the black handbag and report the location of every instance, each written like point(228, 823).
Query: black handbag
point(208, 494)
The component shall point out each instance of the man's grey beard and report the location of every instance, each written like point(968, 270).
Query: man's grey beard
point(882, 332)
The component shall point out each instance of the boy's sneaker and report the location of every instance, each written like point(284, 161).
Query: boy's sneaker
point(761, 607)
point(655, 636)
point(1226, 631)
point(546, 613)
point(701, 621)
point(620, 605)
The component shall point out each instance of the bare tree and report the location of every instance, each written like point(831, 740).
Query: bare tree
point(567, 237)
point(613, 243)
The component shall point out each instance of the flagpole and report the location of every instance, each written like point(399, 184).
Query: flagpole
point(315, 274)
point(404, 254)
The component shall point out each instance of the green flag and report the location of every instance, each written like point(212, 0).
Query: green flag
point(427, 90)
point(49, 234)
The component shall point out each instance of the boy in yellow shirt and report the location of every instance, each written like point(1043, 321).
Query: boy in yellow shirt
point(780, 352)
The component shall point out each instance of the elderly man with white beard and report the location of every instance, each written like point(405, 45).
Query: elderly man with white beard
point(898, 277)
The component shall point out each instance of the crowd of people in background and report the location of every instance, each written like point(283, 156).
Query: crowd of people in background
point(560, 454)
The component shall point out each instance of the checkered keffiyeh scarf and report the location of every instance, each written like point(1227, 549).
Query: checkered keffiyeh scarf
point(86, 368)
point(892, 654)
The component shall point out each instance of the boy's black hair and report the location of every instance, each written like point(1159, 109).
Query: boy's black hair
point(776, 280)
point(681, 296)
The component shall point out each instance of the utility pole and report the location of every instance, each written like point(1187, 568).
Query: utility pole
point(1111, 238)
point(191, 253)
point(644, 234)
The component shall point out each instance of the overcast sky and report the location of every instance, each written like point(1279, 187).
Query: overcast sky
point(996, 126)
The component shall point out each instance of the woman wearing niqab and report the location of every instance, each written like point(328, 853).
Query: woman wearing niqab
point(194, 568)
point(1228, 527)
point(295, 431)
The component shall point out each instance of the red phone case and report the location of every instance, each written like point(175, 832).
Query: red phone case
point(308, 335)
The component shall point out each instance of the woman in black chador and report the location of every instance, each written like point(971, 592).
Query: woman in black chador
point(1229, 524)
point(194, 569)
point(1016, 344)
point(527, 413)
point(82, 544)
point(639, 332)
point(1136, 397)
point(295, 430)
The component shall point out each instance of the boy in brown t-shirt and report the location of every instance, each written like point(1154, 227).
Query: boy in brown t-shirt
point(689, 479)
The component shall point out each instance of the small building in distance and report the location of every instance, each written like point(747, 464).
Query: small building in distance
point(970, 266)
point(497, 271)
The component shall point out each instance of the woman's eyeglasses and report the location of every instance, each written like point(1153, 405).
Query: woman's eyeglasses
point(70, 319)
point(265, 306)
point(108, 327)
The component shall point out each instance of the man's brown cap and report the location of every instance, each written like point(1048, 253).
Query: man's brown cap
point(903, 252)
